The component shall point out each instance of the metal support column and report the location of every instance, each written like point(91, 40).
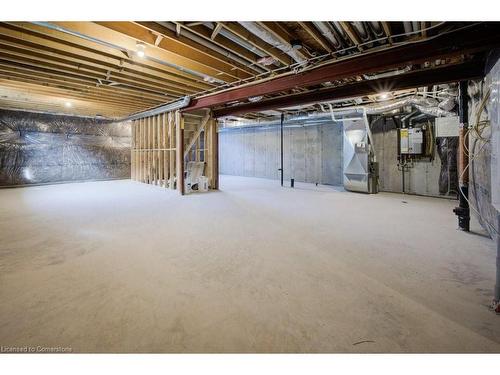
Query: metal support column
point(281, 147)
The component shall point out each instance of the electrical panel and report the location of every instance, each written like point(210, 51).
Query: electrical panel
point(411, 141)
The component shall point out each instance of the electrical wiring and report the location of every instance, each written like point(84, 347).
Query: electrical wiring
point(478, 131)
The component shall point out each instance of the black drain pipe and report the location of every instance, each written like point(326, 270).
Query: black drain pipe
point(463, 211)
point(281, 147)
point(497, 284)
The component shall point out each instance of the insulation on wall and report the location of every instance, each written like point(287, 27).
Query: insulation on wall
point(311, 153)
point(484, 178)
point(44, 148)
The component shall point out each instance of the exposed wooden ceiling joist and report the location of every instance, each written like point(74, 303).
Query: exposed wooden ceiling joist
point(473, 39)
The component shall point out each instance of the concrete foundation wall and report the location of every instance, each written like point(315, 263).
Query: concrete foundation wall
point(422, 179)
point(311, 154)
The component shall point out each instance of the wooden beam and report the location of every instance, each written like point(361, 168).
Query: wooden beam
point(311, 30)
point(223, 42)
point(158, 39)
point(387, 30)
point(64, 44)
point(482, 37)
point(213, 154)
point(280, 33)
point(349, 30)
point(247, 36)
point(172, 153)
point(196, 135)
point(86, 71)
point(179, 150)
point(216, 30)
point(171, 50)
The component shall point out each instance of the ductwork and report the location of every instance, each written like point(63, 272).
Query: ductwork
point(427, 106)
point(447, 104)
point(269, 38)
point(314, 118)
point(376, 28)
point(213, 47)
point(183, 103)
point(361, 30)
point(408, 27)
point(328, 33)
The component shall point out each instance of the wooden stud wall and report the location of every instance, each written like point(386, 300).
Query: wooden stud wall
point(162, 144)
point(153, 157)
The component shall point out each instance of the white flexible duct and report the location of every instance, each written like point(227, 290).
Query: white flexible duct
point(269, 38)
point(408, 27)
point(447, 104)
point(428, 106)
point(327, 33)
point(377, 28)
point(361, 30)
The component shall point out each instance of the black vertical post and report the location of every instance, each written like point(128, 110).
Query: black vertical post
point(281, 147)
point(463, 211)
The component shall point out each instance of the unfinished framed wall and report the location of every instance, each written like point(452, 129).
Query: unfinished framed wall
point(163, 144)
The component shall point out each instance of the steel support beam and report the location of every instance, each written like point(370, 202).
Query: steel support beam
point(469, 70)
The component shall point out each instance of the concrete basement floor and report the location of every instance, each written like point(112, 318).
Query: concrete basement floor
point(120, 266)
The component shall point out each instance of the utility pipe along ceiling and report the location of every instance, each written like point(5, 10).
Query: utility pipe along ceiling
point(120, 69)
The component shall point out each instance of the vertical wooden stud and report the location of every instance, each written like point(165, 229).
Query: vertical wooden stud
point(172, 148)
point(179, 150)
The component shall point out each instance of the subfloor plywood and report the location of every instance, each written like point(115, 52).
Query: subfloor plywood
point(121, 266)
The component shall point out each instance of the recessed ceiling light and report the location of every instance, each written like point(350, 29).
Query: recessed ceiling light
point(68, 104)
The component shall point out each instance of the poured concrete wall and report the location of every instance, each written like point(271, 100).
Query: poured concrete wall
point(422, 178)
point(314, 154)
point(311, 153)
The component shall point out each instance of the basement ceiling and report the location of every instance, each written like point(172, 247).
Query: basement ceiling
point(95, 68)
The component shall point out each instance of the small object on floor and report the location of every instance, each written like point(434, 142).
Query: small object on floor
point(404, 202)
point(363, 342)
point(316, 184)
point(203, 184)
point(495, 306)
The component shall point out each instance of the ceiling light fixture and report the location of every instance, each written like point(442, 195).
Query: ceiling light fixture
point(384, 95)
point(140, 49)
point(68, 104)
